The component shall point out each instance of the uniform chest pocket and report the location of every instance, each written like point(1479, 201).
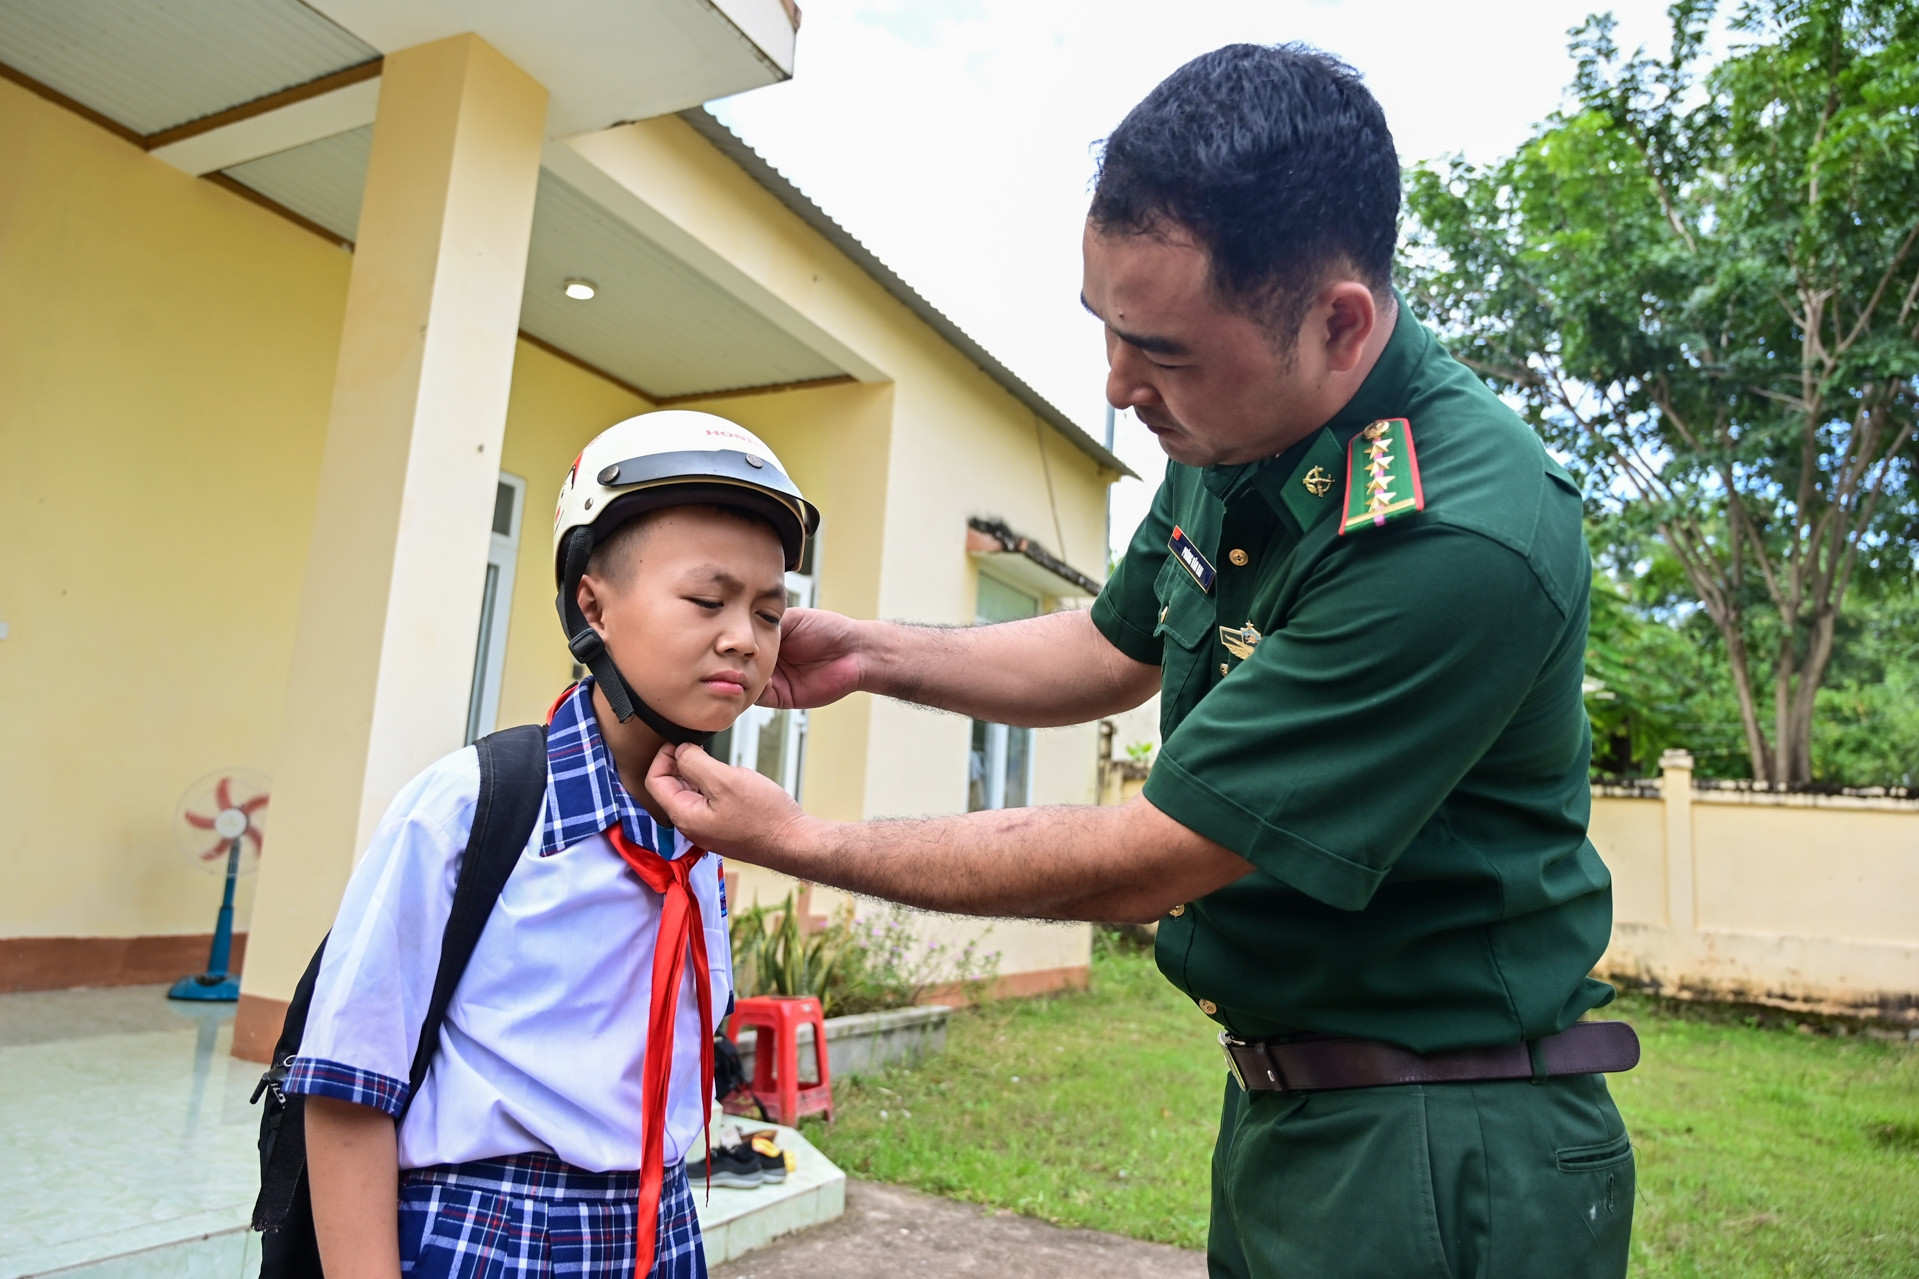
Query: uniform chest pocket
point(1185, 614)
point(1185, 628)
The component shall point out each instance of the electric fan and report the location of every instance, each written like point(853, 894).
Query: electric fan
point(221, 823)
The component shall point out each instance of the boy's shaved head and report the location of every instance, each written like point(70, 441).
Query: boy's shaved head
point(614, 559)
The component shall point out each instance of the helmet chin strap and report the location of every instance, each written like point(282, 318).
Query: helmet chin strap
point(590, 650)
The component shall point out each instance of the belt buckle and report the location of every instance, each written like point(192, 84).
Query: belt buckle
point(1227, 1042)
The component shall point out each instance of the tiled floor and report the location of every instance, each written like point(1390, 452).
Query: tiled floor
point(125, 1122)
point(129, 1152)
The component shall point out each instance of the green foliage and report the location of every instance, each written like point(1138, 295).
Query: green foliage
point(852, 965)
point(1656, 680)
point(1703, 290)
point(774, 955)
point(901, 965)
point(1867, 731)
point(1762, 1151)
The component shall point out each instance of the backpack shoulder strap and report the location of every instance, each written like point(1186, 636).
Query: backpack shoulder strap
point(512, 788)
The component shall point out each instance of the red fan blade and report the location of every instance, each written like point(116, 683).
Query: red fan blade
point(218, 850)
point(253, 833)
point(223, 792)
point(254, 805)
point(198, 822)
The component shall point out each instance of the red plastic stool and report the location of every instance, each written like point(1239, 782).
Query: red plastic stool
point(776, 1073)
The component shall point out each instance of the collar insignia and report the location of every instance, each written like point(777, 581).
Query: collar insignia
point(1317, 482)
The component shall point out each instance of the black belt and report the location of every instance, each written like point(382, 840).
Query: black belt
point(1314, 1065)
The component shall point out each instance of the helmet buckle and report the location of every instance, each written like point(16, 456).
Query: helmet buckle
point(585, 645)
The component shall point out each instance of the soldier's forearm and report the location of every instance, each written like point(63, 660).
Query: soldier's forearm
point(1130, 863)
point(1037, 673)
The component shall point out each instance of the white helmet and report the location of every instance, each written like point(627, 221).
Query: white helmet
point(675, 457)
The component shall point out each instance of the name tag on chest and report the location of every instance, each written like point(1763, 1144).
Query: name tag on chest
point(1190, 559)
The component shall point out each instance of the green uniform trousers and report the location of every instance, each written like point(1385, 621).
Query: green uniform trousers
point(1506, 1180)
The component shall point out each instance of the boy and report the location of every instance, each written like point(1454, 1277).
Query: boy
point(573, 1073)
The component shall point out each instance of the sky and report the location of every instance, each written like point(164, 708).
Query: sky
point(956, 138)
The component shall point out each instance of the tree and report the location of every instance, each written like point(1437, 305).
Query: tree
point(1703, 288)
point(1657, 678)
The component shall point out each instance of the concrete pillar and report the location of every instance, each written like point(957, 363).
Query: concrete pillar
point(383, 655)
point(1675, 788)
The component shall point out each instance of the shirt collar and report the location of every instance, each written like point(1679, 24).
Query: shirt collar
point(1283, 480)
point(583, 791)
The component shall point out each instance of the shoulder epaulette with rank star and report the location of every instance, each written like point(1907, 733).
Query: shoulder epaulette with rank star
point(1382, 475)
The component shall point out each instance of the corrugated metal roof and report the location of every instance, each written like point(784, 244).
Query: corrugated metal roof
point(322, 181)
point(736, 149)
point(654, 322)
point(152, 64)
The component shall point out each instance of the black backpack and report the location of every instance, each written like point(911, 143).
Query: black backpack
point(512, 786)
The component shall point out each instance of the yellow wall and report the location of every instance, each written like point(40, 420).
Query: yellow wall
point(166, 359)
point(555, 408)
point(1630, 835)
point(1797, 900)
point(167, 353)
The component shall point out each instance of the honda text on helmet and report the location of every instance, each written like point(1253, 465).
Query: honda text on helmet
point(647, 463)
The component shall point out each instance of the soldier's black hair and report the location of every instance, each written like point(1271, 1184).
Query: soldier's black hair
point(1276, 159)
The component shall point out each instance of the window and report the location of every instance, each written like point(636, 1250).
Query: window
point(773, 742)
point(496, 605)
point(1000, 765)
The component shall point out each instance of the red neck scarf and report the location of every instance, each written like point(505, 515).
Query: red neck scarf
point(681, 930)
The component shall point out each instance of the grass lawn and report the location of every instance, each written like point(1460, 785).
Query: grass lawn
point(1763, 1151)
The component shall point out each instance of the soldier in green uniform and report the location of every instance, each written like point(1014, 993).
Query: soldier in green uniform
point(1362, 595)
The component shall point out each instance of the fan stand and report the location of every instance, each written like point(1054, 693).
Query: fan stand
point(216, 984)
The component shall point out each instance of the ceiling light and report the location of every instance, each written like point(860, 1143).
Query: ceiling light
point(580, 290)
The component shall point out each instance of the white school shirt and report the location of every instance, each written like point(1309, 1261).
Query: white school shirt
point(545, 1036)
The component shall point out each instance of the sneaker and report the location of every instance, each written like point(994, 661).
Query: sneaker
point(734, 1167)
point(772, 1160)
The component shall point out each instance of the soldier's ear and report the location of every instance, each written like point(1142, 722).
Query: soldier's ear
point(1347, 315)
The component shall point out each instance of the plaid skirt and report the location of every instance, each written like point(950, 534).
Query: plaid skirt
point(533, 1215)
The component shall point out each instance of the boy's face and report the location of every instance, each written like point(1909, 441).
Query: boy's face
point(691, 612)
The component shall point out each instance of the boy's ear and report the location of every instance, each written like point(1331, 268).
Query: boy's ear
point(592, 603)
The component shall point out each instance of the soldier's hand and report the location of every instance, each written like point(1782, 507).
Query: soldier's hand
point(733, 811)
point(819, 660)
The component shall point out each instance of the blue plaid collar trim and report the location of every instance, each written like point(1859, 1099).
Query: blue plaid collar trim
point(583, 791)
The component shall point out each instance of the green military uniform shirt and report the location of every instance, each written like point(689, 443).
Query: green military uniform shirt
point(1398, 744)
